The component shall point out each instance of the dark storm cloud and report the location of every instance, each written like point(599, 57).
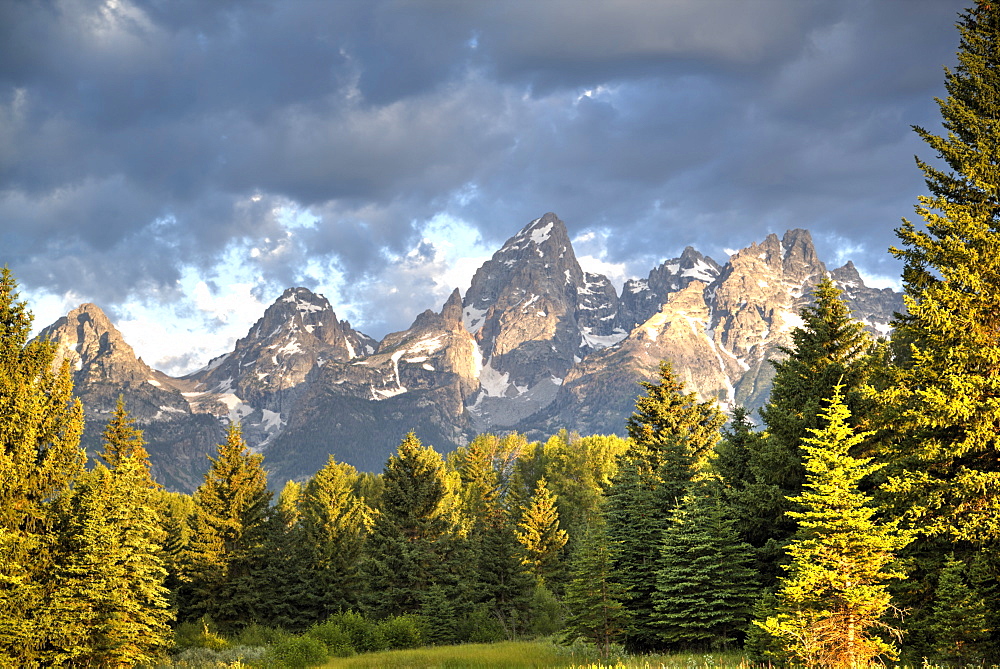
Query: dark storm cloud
point(140, 138)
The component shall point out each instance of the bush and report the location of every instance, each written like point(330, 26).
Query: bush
point(205, 657)
point(400, 632)
point(365, 635)
point(480, 626)
point(259, 635)
point(298, 652)
point(199, 634)
point(336, 639)
point(546, 612)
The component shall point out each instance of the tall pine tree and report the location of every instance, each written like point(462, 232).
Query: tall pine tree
point(830, 349)
point(409, 550)
point(706, 585)
point(593, 598)
point(673, 435)
point(943, 404)
point(229, 526)
point(835, 593)
point(40, 458)
point(332, 530)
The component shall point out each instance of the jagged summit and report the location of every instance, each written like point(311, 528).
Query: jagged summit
point(641, 298)
point(535, 345)
point(95, 348)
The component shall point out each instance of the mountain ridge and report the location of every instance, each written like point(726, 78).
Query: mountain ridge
point(535, 344)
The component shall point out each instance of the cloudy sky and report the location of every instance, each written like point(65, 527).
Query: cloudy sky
point(181, 162)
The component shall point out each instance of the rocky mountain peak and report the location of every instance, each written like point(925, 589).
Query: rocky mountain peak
point(95, 348)
point(847, 276)
point(522, 307)
point(642, 298)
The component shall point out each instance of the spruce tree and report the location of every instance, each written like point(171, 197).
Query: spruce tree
point(40, 458)
point(829, 349)
point(835, 593)
point(943, 408)
point(137, 622)
point(705, 588)
point(111, 584)
point(331, 535)
point(411, 543)
point(539, 533)
point(594, 599)
point(958, 618)
point(229, 526)
point(501, 582)
point(673, 435)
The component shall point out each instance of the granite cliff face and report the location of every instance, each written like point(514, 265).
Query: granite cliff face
point(535, 345)
point(104, 368)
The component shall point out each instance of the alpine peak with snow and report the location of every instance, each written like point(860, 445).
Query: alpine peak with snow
point(535, 345)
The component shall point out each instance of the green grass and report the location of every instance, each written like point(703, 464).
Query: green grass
point(524, 654)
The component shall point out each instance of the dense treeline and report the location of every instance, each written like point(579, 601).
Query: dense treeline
point(860, 521)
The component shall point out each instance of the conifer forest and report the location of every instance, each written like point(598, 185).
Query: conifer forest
point(854, 522)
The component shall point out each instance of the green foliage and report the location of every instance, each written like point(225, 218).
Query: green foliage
point(199, 634)
point(705, 587)
point(830, 349)
point(228, 531)
point(593, 599)
point(578, 470)
point(412, 541)
point(958, 618)
point(298, 652)
point(40, 457)
point(330, 537)
point(408, 631)
point(943, 411)
point(336, 639)
point(438, 612)
point(835, 592)
point(366, 636)
point(539, 533)
point(547, 612)
point(673, 435)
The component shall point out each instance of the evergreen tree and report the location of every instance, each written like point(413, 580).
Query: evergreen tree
point(502, 583)
point(672, 437)
point(705, 588)
point(332, 530)
point(40, 458)
point(593, 598)
point(538, 532)
point(944, 411)
point(411, 541)
point(673, 434)
point(958, 618)
point(835, 592)
point(137, 622)
point(229, 526)
point(830, 349)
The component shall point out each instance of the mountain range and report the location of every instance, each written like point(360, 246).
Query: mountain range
point(535, 344)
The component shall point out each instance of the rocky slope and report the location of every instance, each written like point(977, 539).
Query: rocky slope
point(535, 345)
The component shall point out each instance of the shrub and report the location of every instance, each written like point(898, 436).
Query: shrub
point(259, 635)
point(401, 632)
point(480, 626)
point(365, 635)
point(298, 652)
point(199, 634)
point(546, 612)
point(336, 639)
